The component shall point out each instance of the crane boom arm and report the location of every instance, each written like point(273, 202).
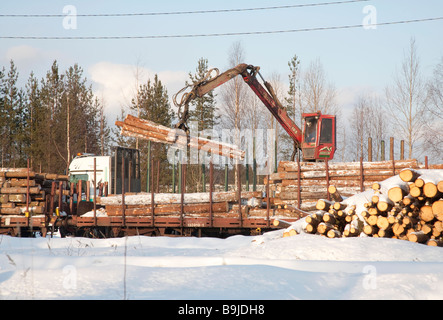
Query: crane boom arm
point(266, 95)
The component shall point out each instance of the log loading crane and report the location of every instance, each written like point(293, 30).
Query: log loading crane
point(316, 141)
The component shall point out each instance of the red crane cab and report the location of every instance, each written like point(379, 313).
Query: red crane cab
point(319, 138)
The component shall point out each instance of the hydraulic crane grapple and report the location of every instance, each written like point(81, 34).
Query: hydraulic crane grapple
point(317, 140)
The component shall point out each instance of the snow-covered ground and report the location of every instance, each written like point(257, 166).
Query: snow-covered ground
point(261, 267)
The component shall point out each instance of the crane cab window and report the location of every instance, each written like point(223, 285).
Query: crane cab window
point(326, 131)
point(310, 130)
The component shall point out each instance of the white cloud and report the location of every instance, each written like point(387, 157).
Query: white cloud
point(116, 83)
point(24, 54)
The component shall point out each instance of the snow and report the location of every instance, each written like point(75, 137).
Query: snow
point(240, 267)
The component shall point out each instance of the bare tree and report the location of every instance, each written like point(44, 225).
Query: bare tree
point(367, 121)
point(433, 140)
point(406, 99)
point(234, 97)
point(318, 94)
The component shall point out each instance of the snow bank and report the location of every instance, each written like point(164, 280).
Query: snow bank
point(240, 267)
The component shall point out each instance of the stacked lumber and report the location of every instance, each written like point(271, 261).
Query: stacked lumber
point(347, 177)
point(148, 130)
point(15, 186)
point(408, 206)
point(224, 204)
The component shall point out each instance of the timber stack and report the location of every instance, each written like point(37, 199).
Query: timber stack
point(408, 206)
point(224, 204)
point(302, 184)
point(148, 130)
point(23, 192)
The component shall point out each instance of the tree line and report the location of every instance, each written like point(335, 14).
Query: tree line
point(50, 119)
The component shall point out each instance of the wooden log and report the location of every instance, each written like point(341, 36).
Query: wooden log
point(323, 204)
point(310, 228)
point(16, 173)
point(440, 186)
point(427, 229)
point(415, 191)
point(383, 233)
point(398, 229)
point(52, 176)
point(384, 203)
point(435, 242)
point(308, 166)
point(397, 193)
point(313, 220)
point(21, 210)
point(332, 189)
point(171, 198)
point(430, 190)
point(281, 223)
point(409, 175)
point(383, 223)
point(418, 236)
point(438, 225)
point(339, 206)
point(148, 130)
point(333, 233)
point(324, 227)
point(4, 198)
point(419, 182)
point(17, 198)
point(437, 209)
point(32, 190)
point(370, 229)
point(372, 220)
point(167, 209)
point(329, 218)
point(22, 182)
point(426, 213)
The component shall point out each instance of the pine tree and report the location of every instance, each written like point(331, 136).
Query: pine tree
point(204, 108)
point(153, 104)
point(35, 121)
point(12, 117)
point(292, 101)
point(51, 97)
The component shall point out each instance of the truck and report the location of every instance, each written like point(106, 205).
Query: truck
point(108, 172)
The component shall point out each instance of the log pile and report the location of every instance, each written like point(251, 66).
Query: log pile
point(348, 177)
point(15, 186)
point(408, 206)
point(148, 130)
point(224, 204)
point(194, 204)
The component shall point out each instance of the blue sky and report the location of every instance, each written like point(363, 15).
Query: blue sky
point(354, 59)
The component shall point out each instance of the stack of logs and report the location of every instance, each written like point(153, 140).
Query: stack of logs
point(15, 186)
point(408, 206)
point(224, 204)
point(148, 130)
point(349, 177)
point(166, 204)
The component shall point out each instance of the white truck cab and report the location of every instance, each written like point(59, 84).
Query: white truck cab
point(82, 168)
point(107, 169)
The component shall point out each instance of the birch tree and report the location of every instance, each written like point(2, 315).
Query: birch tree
point(406, 99)
point(434, 138)
point(234, 97)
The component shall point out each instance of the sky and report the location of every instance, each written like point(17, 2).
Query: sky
point(355, 60)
